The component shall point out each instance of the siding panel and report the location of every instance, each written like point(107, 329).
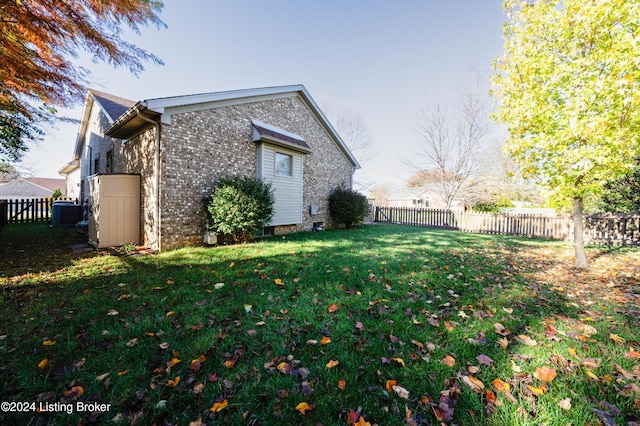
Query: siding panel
point(287, 189)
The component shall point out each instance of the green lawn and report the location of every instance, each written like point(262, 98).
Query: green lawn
point(389, 325)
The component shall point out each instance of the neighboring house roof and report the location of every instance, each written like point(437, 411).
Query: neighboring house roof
point(137, 118)
point(112, 106)
point(30, 188)
point(49, 183)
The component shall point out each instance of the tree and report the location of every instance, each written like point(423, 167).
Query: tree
point(8, 172)
point(567, 87)
point(450, 139)
point(622, 195)
point(352, 129)
point(40, 39)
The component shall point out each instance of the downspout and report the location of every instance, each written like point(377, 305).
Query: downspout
point(156, 168)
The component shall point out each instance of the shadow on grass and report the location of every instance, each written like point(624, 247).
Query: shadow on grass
point(400, 293)
point(33, 248)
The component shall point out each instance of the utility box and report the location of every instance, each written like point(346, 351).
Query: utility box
point(114, 210)
point(65, 213)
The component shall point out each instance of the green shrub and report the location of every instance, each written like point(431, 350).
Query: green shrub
point(347, 206)
point(240, 206)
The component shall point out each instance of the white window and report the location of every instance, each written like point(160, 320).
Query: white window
point(284, 164)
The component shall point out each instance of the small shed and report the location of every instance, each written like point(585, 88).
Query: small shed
point(114, 210)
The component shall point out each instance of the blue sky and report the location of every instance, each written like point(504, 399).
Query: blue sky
point(381, 58)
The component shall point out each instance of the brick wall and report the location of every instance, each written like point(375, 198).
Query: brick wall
point(198, 148)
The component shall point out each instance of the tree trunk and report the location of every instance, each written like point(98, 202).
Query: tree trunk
point(578, 237)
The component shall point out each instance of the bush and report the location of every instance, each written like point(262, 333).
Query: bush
point(347, 206)
point(240, 206)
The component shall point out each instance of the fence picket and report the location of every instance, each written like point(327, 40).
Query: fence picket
point(598, 229)
point(27, 210)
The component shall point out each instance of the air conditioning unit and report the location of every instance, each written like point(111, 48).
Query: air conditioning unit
point(65, 213)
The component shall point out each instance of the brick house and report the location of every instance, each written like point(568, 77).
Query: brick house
point(180, 146)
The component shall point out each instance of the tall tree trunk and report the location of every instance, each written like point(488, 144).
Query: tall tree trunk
point(578, 237)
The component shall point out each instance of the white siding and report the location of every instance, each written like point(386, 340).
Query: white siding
point(287, 189)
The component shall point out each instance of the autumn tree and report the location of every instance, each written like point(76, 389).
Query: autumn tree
point(567, 87)
point(450, 137)
point(39, 42)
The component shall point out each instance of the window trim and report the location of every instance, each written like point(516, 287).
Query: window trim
point(276, 162)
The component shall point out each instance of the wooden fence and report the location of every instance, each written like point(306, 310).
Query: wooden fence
point(610, 229)
point(26, 210)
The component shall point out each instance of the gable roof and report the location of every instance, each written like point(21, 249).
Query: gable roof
point(112, 107)
point(138, 117)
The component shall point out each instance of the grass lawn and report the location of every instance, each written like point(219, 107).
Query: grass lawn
point(385, 325)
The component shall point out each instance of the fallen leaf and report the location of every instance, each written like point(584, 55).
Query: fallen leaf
point(284, 368)
point(74, 392)
point(219, 406)
point(196, 422)
point(546, 374)
point(390, 384)
point(164, 345)
point(230, 363)
point(342, 384)
point(632, 354)
point(332, 308)
point(278, 281)
point(173, 362)
point(218, 286)
point(48, 342)
point(112, 312)
point(44, 363)
point(170, 314)
point(132, 342)
point(501, 386)
point(619, 340)
point(362, 422)
point(102, 377)
point(196, 364)
point(525, 340)
point(173, 383)
point(484, 359)
point(303, 407)
point(417, 343)
point(325, 340)
point(332, 363)
point(449, 361)
point(592, 375)
point(198, 388)
point(536, 391)
point(475, 384)
point(501, 330)
point(590, 362)
point(399, 361)
point(565, 404)
point(401, 392)
point(122, 373)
